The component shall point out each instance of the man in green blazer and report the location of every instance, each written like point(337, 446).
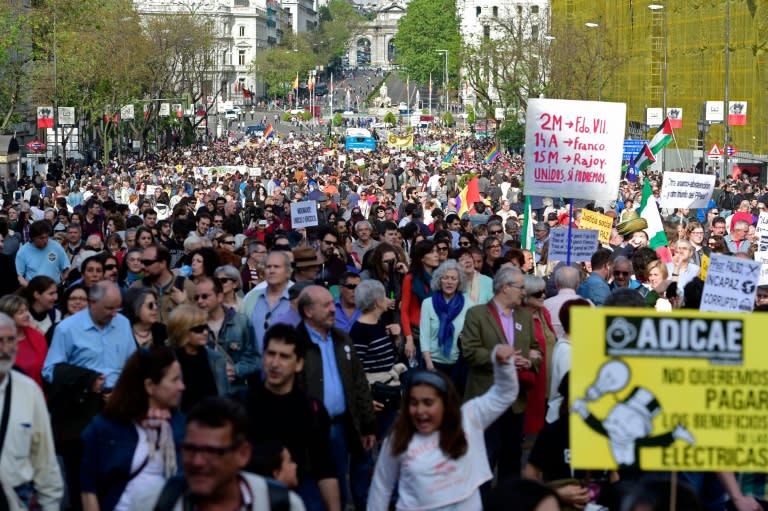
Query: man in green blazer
point(502, 321)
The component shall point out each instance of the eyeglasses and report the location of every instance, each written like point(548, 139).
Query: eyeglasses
point(621, 273)
point(109, 267)
point(266, 320)
point(228, 242)
point(464, 243)
point(351, 287)
point(224, 280)
point(199, 329)
point(203, 296)
point(207, 451)
point(697, 233)
point(148, 262)
point(537, 294)
point(442, 248)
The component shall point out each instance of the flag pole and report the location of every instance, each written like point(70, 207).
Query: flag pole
point(570, 232)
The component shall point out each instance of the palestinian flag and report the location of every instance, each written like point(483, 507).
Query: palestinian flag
point(644, 158)
point(662, 138)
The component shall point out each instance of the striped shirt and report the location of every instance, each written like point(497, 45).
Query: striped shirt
point(374, 346)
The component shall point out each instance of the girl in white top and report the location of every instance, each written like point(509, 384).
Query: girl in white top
point(436, 452)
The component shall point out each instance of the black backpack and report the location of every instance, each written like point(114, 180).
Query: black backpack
point(279, 496)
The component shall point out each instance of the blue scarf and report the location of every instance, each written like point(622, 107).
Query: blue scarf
point(446, 313)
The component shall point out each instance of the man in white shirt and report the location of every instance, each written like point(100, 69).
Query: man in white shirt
point(28, 463)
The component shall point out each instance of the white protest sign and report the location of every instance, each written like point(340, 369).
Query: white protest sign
point(761, 256)
point(731, 284)
point(303, 214)
point(255, 171)
point(574, 148)
point(684, 190)
point(762, 224)
point(584, 242)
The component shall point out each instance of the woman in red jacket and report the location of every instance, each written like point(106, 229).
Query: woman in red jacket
point(416, 287)
point(32, 348)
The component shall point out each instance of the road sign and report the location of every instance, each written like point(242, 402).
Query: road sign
point(631, 149)
point(730, 150)
point(715, 152)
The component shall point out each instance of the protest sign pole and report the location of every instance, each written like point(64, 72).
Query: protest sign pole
point(570, 232)
point(673, 491)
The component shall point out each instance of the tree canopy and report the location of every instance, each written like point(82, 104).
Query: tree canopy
point(428, 26)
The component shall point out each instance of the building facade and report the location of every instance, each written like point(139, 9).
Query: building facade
point(672, 53)
point(243, 28)
point(373, 46)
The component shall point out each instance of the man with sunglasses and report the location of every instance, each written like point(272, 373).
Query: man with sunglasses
point(172, 290)
point(229, 332)
point(346, 310)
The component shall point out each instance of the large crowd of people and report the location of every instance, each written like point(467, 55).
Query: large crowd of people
point(172, 340)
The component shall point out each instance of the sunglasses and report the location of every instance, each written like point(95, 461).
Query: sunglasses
point(464, 243)
point(109, 267)
point(228, 242)
point(621, 273)
point(495, 232)
point(349, 286)
point(151, 305)
point(199, 329)
point(147, 262)
point(202, 296)
point(225, 279)
point(442, 249)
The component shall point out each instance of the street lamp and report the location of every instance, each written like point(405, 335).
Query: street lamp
point(445, 76)
point(592, 25)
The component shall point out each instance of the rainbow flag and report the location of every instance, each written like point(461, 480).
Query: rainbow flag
point(269, 132)
point(449, 156)
point(468, 196)
point(492, 154)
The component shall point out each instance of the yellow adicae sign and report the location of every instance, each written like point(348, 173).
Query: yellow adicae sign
point(679, 391)
point(597, 221)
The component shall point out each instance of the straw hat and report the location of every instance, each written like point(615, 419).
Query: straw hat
point(632, 223)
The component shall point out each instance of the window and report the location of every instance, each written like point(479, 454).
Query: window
point(242, 31)
point(534, 9)
point(495, 11)
point(487, 31)
point(241, 57)
point(478, 10)
point(241, 3)
point(534, 31)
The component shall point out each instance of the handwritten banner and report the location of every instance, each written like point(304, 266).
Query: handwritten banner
point(684, 190)
point(731, 284)
point(583, 245)
point(303, 214)
point(601, 223)
point(573, 148)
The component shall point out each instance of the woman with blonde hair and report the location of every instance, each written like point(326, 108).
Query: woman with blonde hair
point(205, 369)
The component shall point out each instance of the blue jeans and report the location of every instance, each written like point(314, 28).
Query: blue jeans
point(359, 468)
point(310, 494)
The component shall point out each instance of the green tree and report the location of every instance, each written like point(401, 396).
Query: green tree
point(511, 134)
point(339, 21)
point(279, 65)
point(428, 26)
point(448, 119)
point(471, 115)
point(15, 34)
point(390, 118)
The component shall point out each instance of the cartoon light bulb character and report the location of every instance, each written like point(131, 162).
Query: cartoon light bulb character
point(612, 377)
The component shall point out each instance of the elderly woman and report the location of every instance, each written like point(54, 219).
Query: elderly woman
point(140, 306)
point(232, 284)
point(31, 347)
point(535, 293)
point(205, 369)
point(682, 268)
point(130, 268)
point(374, 340)
point(442, 318)
point(479, 286)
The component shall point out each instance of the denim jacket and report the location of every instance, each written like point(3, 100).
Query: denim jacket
point(237, 343)
point(108, 448)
